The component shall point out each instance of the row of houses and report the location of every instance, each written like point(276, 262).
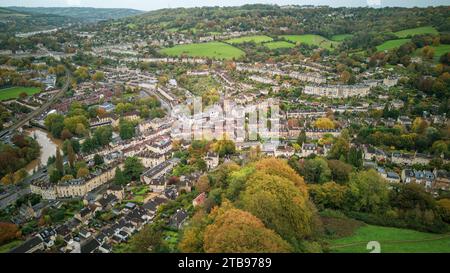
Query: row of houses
point(78, 187)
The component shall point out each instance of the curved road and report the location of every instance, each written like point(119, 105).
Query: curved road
point(40, 110)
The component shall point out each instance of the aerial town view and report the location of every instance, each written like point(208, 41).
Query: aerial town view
point(225, 127)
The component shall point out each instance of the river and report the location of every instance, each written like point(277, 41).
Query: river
point(48, 147)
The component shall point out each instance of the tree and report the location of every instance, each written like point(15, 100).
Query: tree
point(369, 192)
point(340, 171)
point(301, 138)
point(133, 168)
point(280, 204)
point(82, 172)
point(55, 124)
point(237, 231)
point(70, 153)
point(355, 157)
point(225, 147)
point(324, 123)
point(98, 76)
point(126, 129)
point(148, 240)
point(59, 164)
point(98, 159)
point(119, 177)
point(316, 170)
point(8, 232)
point(55, 176)
point(202, 184)
point(444, 208)
point(329, 195)
point(419, 125)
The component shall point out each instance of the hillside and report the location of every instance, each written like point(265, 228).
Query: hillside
point(15, 21)
point(82, 13)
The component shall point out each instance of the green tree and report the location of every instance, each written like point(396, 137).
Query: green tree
point(133, 168)
point(126, 129)
point(316, 170)
point(98, 159)
point(119, 177)
point(369, 192)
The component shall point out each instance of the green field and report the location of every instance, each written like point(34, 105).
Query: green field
point(13, 92)
point(258, 39)
point(341, 37)
point(416, 31)
point(279, 44)
point(311, 39)
point(7, 247)
point(215, 50)
point(391, 44)
point(438, 51)
point(392, 240)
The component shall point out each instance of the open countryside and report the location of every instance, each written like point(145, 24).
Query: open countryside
point(311, 39)
point(246, 39)
point(214, 50)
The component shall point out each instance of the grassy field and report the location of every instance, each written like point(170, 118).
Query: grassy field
point(415, 31)
point(13, 92)
point(392, 240)
point(438, 51)
point(7, 247)
point(391, 44)
point(311, 39)
point(279, 44)
point(258, 39)
point(341, 37)
point(215, 50)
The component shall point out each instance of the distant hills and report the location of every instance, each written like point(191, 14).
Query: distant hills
point(25, 19)
point(84, 14)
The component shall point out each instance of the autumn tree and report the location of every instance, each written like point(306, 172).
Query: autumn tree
point(280, 204)
point(8, 232)
point(202, 184)
point(340, 171)
point(82, 172)
point(329, 195)
point(237, 231)
point(324, 123)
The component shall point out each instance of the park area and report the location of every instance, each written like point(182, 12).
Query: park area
point(279, 44)
point(416, 31)
point(392, 240)
point(391, 44)
point(257, 39)
point(213, 50)
point(14, 92)
point(312, 39)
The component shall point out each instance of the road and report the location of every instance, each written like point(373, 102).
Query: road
point(40, 110)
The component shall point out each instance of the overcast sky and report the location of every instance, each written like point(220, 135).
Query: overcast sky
point(158, 4)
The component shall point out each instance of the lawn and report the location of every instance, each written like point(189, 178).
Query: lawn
point(279, 44)
point(438, 51)
point(392, 240)
point(258, 39)
point(13, 92)
point(214, 50)
point(311, 39)
point(391, 44)
point(416, 31)
point(7, 247)
point(341, 37)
